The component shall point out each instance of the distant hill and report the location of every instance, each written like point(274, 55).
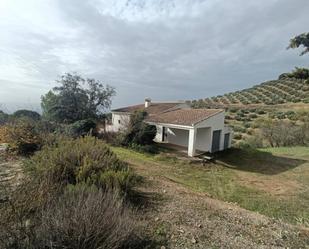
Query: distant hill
point(274, 92)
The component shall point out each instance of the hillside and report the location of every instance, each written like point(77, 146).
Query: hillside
point(274, 92)
point(248, 111)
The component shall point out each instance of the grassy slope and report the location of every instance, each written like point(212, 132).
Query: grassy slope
point(271, 181)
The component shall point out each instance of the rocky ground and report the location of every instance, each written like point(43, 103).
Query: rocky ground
point(10, 174)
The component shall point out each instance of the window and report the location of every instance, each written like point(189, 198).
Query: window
point(118, 121)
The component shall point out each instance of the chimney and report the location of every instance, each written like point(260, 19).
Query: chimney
point(147, 102)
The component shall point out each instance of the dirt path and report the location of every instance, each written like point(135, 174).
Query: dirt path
point(186, 219)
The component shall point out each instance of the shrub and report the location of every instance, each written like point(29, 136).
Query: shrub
point(4, 133)
point(83, 217)
point(284, 132)
point(250, 131)
point(233, 110)
point(22, 137)
point(237, 136)
point(298, 73)
point(247, 125)
point(306, 100)
point(138, 132)
point(4, 117)
point(83, 160)
point(27, 114)
point(239, 129)
point(253, 115)
point(81, 128)
point(252, 142)
point(71, 197)
point(261, 112)
point(86, 219)
point(150, 148)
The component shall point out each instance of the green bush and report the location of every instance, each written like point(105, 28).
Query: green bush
point(239, 129)
point(81, 128)
point(83, 160)
point(247, 125)
point(252, 115)
point(27, 114)
point(237, 136)
point(138, 132)
point(4, 117)
point(261, 112)
point(233, 110)
point(252, 142)
point(150, 148)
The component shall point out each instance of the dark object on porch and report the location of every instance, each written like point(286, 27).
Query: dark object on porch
point(206, 157)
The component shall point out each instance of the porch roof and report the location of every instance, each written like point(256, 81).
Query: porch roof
point(186, 117)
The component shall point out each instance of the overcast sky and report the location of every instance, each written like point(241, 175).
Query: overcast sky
point(163, 49)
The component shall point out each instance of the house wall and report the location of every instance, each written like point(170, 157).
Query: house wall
point(215, 122)
point(229, 130)
point(159, 134)
point(178, 136)
point(203, 139)
point(120, 121)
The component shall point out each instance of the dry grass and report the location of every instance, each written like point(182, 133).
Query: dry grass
point(243, 177)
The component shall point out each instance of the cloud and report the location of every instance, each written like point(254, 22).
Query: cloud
point(161, 49)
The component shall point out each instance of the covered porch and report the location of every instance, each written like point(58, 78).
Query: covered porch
point(197, 130)
point(189, 140)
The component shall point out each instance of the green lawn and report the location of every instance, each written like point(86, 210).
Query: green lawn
point(273, 181)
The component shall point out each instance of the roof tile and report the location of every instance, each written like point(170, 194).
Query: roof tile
point(186, 117)
point(154, 108)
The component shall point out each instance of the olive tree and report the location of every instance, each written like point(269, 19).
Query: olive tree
point(76, 98)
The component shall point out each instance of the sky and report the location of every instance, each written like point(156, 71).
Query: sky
point(162, 49)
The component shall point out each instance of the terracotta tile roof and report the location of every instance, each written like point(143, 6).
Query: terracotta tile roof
point(154, 108)
point(186, 117)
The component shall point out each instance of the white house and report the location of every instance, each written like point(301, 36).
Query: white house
point(196, 129)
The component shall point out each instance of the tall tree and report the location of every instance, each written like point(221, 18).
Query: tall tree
point(76, 99)
point(300, 40)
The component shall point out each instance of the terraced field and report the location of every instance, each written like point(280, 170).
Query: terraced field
point(282, 99)
point(268, 93)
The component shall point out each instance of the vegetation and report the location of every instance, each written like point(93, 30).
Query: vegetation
point(137, 135)
point(300, 40)
point(298, 73)
point(76, 99)
point(270, 114)
point(84, 160)
point(21, 136)
point(72, 196)
point(27, 114)
point(81, 128)
point(284, 90)
point(284, 132)
point(270, 181)
point(4, 117)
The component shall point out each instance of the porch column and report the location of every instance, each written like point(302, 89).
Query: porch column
point(192, 140)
